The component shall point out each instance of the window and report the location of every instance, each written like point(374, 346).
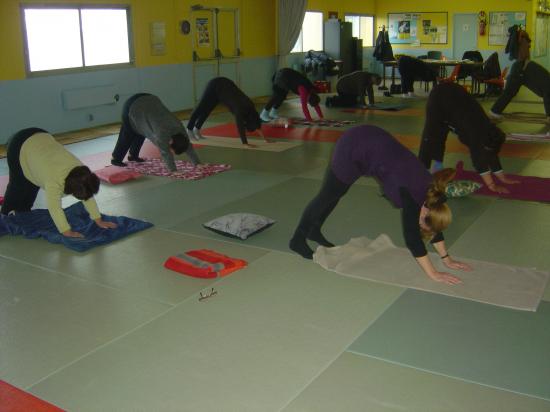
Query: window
point(65, 37)
point(362, 27)
point(311, 35)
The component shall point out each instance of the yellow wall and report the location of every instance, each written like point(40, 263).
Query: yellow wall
point(343, 6)
point(463, 6)
point(257, 18)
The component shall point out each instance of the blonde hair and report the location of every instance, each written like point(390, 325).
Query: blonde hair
point(439, 216)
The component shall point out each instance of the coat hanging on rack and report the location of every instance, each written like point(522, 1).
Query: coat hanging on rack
point(382, 48)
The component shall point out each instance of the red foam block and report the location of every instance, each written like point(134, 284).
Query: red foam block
point(273, 132)
point(13, 399)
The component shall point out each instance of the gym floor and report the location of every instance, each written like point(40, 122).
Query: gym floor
point(112, 330)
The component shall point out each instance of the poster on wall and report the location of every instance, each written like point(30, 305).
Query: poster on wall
point(203, 33)
point(500, 22)
point(418, 28)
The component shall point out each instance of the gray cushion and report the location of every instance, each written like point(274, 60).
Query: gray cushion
point(239, 225)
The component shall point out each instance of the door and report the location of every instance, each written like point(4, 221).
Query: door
point(465, 28)
point(216, 48)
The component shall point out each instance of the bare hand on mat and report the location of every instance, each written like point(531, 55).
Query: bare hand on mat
point(105, 225)
point(70, 233)
point(445, 277)
point(455, 264)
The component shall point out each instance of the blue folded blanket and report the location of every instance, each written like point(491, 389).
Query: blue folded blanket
point(38, 223)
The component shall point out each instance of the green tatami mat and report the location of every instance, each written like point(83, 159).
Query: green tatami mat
point(361, 212)
point(510, 232)
point(359, 383)
point(271, 328)
point(134, 264)
point(48, 320)
point(179, 200)
point(497, 347)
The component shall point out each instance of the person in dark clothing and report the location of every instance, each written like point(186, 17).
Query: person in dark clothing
point(524, 72)
point(288, 80)
point(451, 107)
point(225, 91)
point(411, 69)
point(144, 116)
point(352, 89)
point(371, 151)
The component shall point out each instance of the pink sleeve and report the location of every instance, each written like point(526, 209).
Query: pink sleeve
point(303, 99)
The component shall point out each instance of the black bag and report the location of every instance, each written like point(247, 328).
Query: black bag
point(395, 89)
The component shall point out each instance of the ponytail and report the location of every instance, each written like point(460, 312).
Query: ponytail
point(439, 216)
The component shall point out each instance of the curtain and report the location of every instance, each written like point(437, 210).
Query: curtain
point(291, 17)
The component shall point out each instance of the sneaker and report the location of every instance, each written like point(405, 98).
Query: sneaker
point(264, 115)
point(273, 113)
point(493, 115)
point(406, 96)
point(118, 163)
point(197, 134)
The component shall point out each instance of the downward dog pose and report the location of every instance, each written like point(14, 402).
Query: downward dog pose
point(352, 89)
point(371, 151)
point(144, 116)
point(411, 69)
point(224, 91)
point(288, 80)
point(37, 161)
point(524, 72)
point(450, 107)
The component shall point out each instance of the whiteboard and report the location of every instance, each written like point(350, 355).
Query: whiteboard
point(500, 22)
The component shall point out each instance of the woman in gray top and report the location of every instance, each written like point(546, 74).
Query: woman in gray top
point(145, 117)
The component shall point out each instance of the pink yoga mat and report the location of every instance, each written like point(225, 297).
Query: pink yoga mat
point(186, 170)
point(530, 187)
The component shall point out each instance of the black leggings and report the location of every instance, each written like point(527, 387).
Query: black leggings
point(128, 139)
point(322, 205)
point(208, 102)
point(278, 97)
point(21, 192)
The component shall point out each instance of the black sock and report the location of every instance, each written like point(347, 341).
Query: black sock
point(118, 163)
point(318, 237)
point(298, 244)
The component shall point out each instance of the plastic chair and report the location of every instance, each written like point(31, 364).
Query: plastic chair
point(498, 81)
point(435, 55)
point(452, 77)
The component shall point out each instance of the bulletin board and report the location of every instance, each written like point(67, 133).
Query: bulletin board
point(418, 27)
point(500, 22)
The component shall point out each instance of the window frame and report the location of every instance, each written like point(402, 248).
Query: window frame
point(302, 35)
point(351, 14)
point(79, 7)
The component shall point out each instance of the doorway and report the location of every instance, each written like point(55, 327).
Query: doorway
point(464, 34)
point(216, 45)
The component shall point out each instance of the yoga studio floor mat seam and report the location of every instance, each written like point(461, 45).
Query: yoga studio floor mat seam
point(496, 284)
point(442, 335)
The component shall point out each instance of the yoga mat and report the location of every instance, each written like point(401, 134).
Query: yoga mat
point(523, 117)
point(387, 112)
point(531, 188)
point(229, 130)
point(260, 144)
point(321, 122)
point(38, 223)
point(381, 261)
point(185, 170)
point(527, 137)
point(13, 399)
point(492, 346)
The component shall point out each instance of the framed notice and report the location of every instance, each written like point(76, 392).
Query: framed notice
point(418, 27)
point(500, 22)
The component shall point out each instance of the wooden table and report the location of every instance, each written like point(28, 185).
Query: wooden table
point(440, 64)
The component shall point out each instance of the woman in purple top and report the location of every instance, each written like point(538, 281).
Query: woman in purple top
point(371, 151)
